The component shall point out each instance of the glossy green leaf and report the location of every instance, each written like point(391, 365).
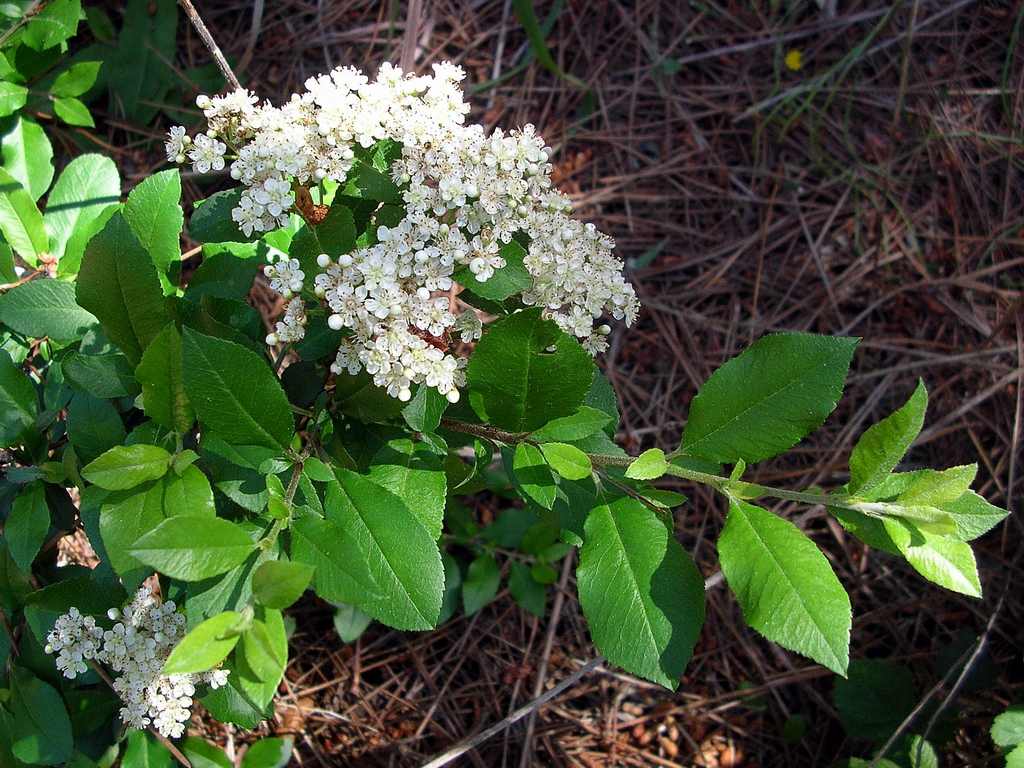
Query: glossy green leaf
point(508, 281)
point(567, 460)
point(641, 594)
point(88, 186)
point(255, 414)
point(424, 411)
point(18, 402)
point(20, 220)
point(585, 422)
point(279, 583)
point(785, 585)
point(73, 112)
point(480, 585)
point(106, 375)
point(41, 729)
point(127, 466)
point(12, 98)
point(337, 557)
point(118, 284)
point(882, 446)
point(649, 465)
point(142, 750)
point(526, 372)
point(527, 591)
point(193, 548)
point(27, 525)
point(262, 658)
point(937, 487)
point(163, 383)
point(767, 398)
point(44, 307)
point(153, 211)
point(94, 426)
point(204, 647)
point(56, 22)
point(76, 79)
point(274, 752)
point(533, 475)
point(414, 474)
point(402, 555)
point(203, 754)
point(28, 156)
point(212, 223)
point(943, 560)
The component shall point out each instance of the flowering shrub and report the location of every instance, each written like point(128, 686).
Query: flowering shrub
point(439, 313)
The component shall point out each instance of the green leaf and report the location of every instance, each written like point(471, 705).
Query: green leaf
point(350, 622)
point(41, 730)
point(27, 525)
point(127, 466)
point(18, 402)
point(641, 594)
point(211, 221)
point(527, 591)
point(649, 465)
point(193, 548)
point(76, 79)
point(119, 285)
point(106, 375)
point(785, 586)
point(943, 560)
point(7, 271)
point(567, 460)
point(20, 220)
point(153, 211)
point(275, 752)
point(533, 475)
point(55, 23)
point(973, 516)
point(584, 423)
point(424, 411)
point(73, 112)
point(255, 414)
point(88, 186)
point(936, 487)
point(402, 555)
point(875, 698)
point(413, 473)
point(882, 446)
point(139, 73)
point(511, 279)
point(768, 398)
point(12, 98)
point(279, 583)
point(526, 372)
point(921, 754)
point(342, 574)
point(260, 655)
point(203, 754)
point(204, 647)
point(163, 387)
point(1008, 728)
point(44, 307)
point(481, 583)
point(94, 425)
point(535, 34)
point(28, 156)
point(142, 750)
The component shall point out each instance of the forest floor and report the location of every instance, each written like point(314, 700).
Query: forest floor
point(763, 165)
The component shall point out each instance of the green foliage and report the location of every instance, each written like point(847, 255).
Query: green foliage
point(278, 583)
point(126, 466)
point(206, 646)
point(875, 698)
point(882, 446)
point(192, 549)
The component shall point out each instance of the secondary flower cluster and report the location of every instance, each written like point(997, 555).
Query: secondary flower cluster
point(465, 193)
point(135, 650)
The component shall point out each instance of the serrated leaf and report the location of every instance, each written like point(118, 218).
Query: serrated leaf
point(973, 516)
point(768, 398)
point(28, 156)
point(105, 376)
point(649, 465)
point(937, 487)
point(533, 475)
point(279, 583)
point(193, 548)
point(27, 525)
point(943, 560)
point(94, 425)
point(163, 387)
point(785, 586)
point(256, 414)
point(88, 186)
point(526, 372)
point(153, 211)
point(204, 647)
point(567, 460)
point(20, 220)
point(480, 585)
point(341, 572)
point(41, 730)
point(413, 473)
point(127, 466)
point(18, 402)
point(641, 594)
point(45, 307)
point(119, 285)
point(1008, 728)
point(424, 411)
point(402, 555)
point(585, 422)
point(882, 446)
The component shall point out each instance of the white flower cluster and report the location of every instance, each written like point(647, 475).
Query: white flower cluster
point(135, 650)
point(466, 195)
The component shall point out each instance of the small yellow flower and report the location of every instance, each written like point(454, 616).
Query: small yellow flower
point(795, 60)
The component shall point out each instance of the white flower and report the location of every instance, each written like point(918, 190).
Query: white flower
point(177, 141)
point(207, 154)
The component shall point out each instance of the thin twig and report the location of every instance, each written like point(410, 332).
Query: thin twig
point(210, 43)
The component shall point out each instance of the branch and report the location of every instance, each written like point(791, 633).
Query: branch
point(210, 43)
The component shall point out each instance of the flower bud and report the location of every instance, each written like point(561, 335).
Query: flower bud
point(323, 260)
point(335, 322)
